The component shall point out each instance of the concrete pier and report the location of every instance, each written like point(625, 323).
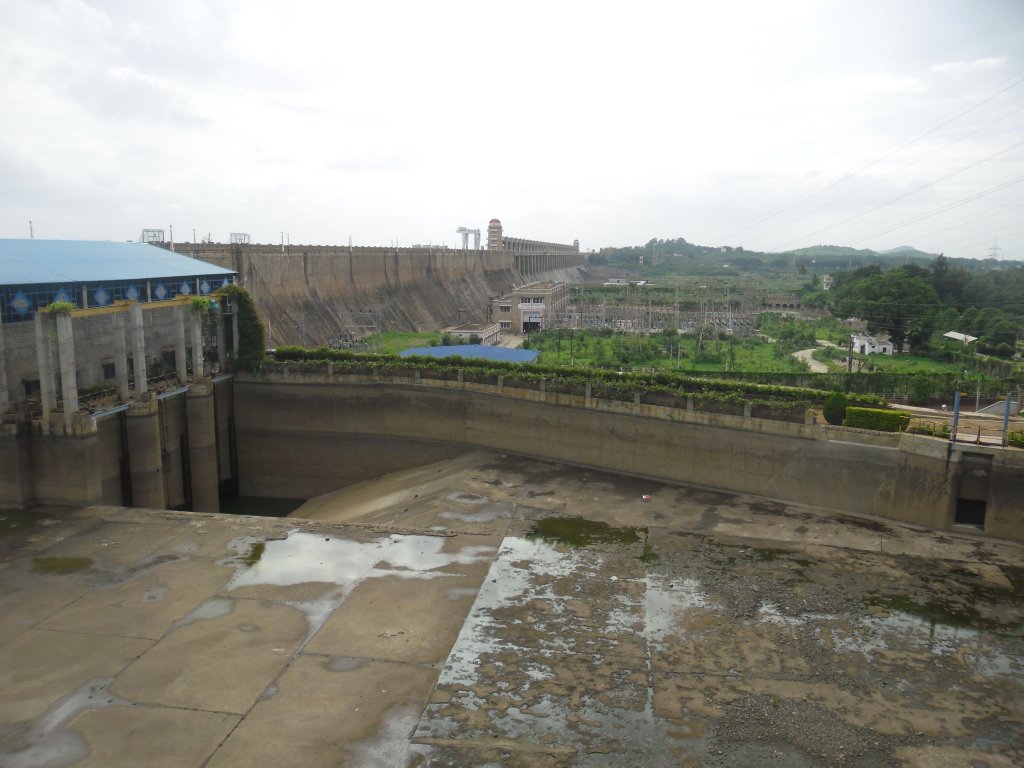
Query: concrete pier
point(202, 447)
point(144, 447)
point(15, 479)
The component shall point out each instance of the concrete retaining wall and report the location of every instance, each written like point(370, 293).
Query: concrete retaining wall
point(305, 434)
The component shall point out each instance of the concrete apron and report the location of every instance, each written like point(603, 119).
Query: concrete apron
point(461, 626)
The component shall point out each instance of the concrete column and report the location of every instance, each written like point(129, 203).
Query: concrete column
point(68, 373)
point(198, 366)
point(139, 350)
point(5, 397)
point(44, 361)
point(202, 446)
point(179, 343)
point(147, 471)
point(120, 355)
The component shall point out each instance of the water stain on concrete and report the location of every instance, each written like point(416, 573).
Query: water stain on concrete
point(46, 743)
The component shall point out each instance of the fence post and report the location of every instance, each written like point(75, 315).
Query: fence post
point(1006, 419)
point(956, 415)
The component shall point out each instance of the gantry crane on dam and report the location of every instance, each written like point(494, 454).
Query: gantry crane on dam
point(466, 232)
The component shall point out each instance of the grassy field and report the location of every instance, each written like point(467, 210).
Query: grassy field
point(664, 350)
point(393, 342)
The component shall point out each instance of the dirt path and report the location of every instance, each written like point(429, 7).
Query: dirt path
point(804, 356)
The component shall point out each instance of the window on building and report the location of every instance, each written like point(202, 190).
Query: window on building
point(167, 358)
point(504, 307)
point(506, 325)
point(31, 387)
point(108, 371)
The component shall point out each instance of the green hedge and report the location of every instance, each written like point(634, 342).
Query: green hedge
point(566, 379)
point(1016, 438)
point(876, 418)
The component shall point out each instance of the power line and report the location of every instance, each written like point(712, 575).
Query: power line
point(927, 131)
point(898, 198)
point(943, 209)
point(872, 182)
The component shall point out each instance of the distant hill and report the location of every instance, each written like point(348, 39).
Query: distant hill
point(829, 250)
point(908, 252)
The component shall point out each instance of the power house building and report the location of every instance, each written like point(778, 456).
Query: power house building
point(100, 348)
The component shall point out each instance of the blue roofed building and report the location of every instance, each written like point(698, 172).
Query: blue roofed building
point(130, 321)
point(36, 273)
point(476, 352)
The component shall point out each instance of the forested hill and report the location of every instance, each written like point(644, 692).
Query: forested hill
point(679, 257)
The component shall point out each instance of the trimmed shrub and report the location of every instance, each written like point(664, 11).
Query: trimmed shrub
point(835, 408)
point(876, 418)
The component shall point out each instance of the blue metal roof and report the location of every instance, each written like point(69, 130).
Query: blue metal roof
point(479, 351)
point(28, 262)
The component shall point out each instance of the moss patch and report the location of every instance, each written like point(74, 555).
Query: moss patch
point(255, 553)
point(60, 565)
point(579, 532)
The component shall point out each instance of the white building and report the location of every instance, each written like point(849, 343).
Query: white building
point(869, 345)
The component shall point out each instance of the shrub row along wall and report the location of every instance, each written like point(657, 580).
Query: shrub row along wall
point(303, 434)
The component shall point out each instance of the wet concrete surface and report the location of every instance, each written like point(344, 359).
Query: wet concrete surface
point(494, 611)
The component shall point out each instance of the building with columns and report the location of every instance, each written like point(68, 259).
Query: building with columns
point(97, 342)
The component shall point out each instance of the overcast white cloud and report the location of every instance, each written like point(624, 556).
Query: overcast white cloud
point(747, 123)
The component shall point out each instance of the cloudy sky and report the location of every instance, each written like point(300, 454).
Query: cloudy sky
point(771, 125)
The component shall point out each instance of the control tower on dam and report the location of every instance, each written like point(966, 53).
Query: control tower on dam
point(313, 294)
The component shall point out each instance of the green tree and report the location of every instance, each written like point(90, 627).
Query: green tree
point(895, 303)
point(251, 337)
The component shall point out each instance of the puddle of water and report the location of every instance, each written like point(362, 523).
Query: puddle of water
point(213, 608)
point(340, 564)
point(46, 743)
point(60, 566)
point(580, 532)
point(976, 649)
point(937, 612)
point(665, 602)
point(312, 558)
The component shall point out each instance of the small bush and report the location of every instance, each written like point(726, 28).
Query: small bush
point(1016, 438)
point(61, 308)
point(835, 408)
point(876, 418)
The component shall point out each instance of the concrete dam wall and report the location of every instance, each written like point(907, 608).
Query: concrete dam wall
point(311, 294)
point(304, 434)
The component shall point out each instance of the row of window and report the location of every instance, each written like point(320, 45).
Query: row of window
point(19, 303)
